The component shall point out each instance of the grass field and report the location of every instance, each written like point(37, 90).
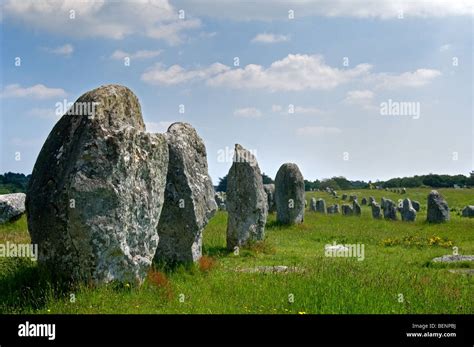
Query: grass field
point(396, 276)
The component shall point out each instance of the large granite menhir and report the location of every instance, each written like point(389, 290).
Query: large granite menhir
point(247, 204)
point(289, 194)
point(189, 197)
point(96, 192)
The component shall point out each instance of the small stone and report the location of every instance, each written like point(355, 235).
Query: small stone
point(321, 206)
point(347, 210)
point(12, 207)
point(468, 211)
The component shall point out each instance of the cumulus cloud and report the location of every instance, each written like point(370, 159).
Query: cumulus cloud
point(248, 112)
point(98, 18)
point(317, 131)
point(66, 50)
point(362, 98)
point(142, 54)
point(413, 79)
point(270, 38)
point(292, 109)
point(38, 91)
point(159, 75)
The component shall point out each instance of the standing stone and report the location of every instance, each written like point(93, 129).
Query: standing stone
point(321, 206)
point(312, 205)
point(363, 201)
point(270, 191)
point(408, 212)
point(438, 210)
point(344, 196)
point(404, 190)
point(220, 199)
point(371, 200)
point(356, 208)
point(389, 210)
point(468, 211)
point(246, 200)
point(347, 210)
point(376, 210)
point(399, 205)
point(382, 202)
point(12, 206)
point(416, 205)
point(97, 189)
point(334, 209)
point(289, 194)
point(352, 198)
point(189, 197)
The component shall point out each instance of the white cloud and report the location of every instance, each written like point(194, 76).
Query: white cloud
point(248, 112)
point(38, 91)
point(317, 131)
point(278, 10)
point(44, 113)
point(66, 50)
point(295, 72)
point(99, 18)
point(414, 79)
point(270, 38)
point(142, 54)
point(297, 110)
point(363, 98)
point(157, 127)
point(445, 47)
point(159, 75)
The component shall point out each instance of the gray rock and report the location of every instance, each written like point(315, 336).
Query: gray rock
point(363, 201)
point(344, 196)
point(371, 200)
point(408, 213)
point(220, 199)
point(376, 210)
point(468, 211)
point(437, 210)
point(321, 206)
point(352, 198)
point(97, 189)
point(246, 200)
point(312, 204)
point(334, 209)
point(356, 208)
point(347, 210)
point(382, 203)
point(389, 210)
point(450, 258)
point(189, 197)
point(289, 194)
point(404, 191)
point(12, 206)
point(416, 205)
point(270, 191)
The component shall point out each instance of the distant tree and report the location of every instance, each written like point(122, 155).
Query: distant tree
point(266, 179)
point(222, 186)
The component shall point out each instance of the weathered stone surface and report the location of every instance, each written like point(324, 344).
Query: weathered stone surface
point(453, 258)
point(312, 204)
point(376, 210)
point(347, 210)
point(289, 194)
point(363, 201)
point(438, 210)
point(270, 191)
point(356, 208)
point(96, 193)
point(189, 197)
point(321, 206)
point(389, 210)
point(468, 211)
point(408, 212)
point(416, 205)
point(12, 206)
point(333, 209)
point(246, 200)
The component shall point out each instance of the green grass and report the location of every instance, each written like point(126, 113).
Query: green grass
point(327, 285)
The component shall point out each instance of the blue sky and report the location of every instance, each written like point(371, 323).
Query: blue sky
point(337, 127)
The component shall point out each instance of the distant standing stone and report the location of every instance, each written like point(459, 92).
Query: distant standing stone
point(270, 191)
point(376, 210)
point(371, 200)
point(389, 210)
point(437, 210)
point(347, 210)
point(352, 198)
point(289, 194)
point(408, 212)
point(333, 209)
point(344, 196)
point(363, 201)
point(356, 208)
point(416, 205)
point(321, 206)
point(12, 206)
point(468, 211)
point(312, 204)
point(246, 200)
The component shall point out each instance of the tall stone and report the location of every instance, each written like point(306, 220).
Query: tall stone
point(356, 208)
point(371, 200)
point(97, 189)
point(246, 200)
point(416, 205)
point(438, 210)
point(270, 191)
point(189, 197)
point(321, 206)
point(408, 213)
point(376, 210)
point(289, 194)
point(389, 210)
point(312, 205)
